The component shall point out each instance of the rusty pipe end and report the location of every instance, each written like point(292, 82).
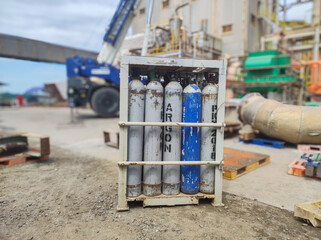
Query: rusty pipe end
point(244, 101)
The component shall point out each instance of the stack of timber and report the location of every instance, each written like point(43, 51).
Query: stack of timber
point(310, 212)
point(17, 148)
point(264, 142)
point(247, 133)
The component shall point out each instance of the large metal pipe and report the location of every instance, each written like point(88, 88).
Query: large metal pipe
point(7, 149)
point(294, 124)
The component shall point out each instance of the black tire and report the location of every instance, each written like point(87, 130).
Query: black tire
point(105, 102)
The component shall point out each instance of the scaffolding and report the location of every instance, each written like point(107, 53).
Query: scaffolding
point(200, 45)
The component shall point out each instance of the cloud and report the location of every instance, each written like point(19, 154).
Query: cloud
point(299, 12)
point(77, 23)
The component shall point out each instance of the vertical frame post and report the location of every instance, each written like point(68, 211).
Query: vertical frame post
point(220, 134)
point(123, 116)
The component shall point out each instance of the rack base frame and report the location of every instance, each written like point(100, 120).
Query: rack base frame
point(172, 200)
point(193, 65)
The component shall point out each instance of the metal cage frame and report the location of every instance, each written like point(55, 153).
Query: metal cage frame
point(181, 199)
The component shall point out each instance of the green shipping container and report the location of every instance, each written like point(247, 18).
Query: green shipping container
point(267, 67)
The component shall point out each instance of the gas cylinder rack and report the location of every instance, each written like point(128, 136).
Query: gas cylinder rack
point(194, 75)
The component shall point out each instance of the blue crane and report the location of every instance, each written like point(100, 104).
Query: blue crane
point(97, 81)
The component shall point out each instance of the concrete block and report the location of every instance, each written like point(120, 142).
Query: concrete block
point(318, 171)
point(309, 211)
point(309, 170)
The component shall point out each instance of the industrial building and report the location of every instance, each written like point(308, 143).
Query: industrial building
point(249, 26)
point(239, 31)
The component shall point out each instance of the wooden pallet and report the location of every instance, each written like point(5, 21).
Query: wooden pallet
point(107, 138)
point(297, 168)
point(309, 211)
point(171, 200)
point(238, 163)
point(20, 159)
point(265, 142)
point(231, 128)
point(12, 160)
point(247, 136)
point(39, 153)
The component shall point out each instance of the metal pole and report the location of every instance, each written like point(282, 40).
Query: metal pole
point(71, 106)
point(123, 140)
point(147, 28)
point(316, 24)
point(262, 43)
point(277, 13)
point(170, 163)
point(316, 44)
point(284, 15)
point(218, 182)
point(72, 117)
point(174, 124)
point(244, 26)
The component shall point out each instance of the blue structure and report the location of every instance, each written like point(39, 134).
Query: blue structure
point(118, 21)
point(264, 142)
point(103, 96)
point(89, 67)
point(191, 139)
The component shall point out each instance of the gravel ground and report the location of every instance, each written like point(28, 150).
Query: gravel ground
point(72, 196)
point(269, 184)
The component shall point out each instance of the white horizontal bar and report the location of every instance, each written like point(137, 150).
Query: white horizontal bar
point(174, 62)
point(170, 163)
point(174, 124)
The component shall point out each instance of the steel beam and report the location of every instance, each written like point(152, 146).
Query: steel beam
point(33, 50)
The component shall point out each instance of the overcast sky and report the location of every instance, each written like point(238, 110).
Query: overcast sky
point(76, 23)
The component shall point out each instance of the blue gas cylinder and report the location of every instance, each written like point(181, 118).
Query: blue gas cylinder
point(191, 138)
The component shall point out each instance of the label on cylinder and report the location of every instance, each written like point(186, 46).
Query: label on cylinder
point(208, 140)
point(172, 137)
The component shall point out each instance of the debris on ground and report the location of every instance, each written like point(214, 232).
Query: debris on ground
point(18, 148)
point(310, 211)
point(73, 196)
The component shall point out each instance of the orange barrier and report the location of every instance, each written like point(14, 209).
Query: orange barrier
point(315, 84)
point(297, 168)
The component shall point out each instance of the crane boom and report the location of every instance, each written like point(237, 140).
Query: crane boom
point(117, 30)
point(147, 28)
point(97, 82)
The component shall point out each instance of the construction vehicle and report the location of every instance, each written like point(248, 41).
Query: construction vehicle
point(97, 81)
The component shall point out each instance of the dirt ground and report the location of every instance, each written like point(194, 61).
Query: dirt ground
point(74, 194)
point(74, 197)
